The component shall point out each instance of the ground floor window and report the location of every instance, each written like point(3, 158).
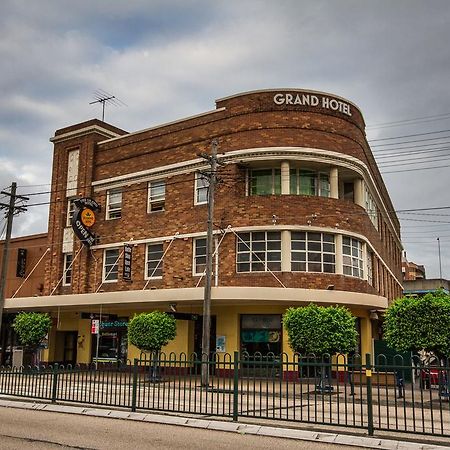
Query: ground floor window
point(261, 333)
point(112, 342)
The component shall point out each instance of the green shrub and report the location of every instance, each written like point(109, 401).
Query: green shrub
point(31, 328)
point(149, 332)
point(320, 330)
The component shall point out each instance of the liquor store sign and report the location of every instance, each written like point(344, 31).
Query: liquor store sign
point(313, 100)
point(84, 218)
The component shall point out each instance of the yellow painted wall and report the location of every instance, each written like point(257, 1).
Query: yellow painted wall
point(84, 341)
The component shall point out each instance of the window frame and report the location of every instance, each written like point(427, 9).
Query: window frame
point(117, 263)
point(195, 256)
point(370, 206)
point(360, 258)
point(274, 185)
point(197, 189)
point(161, 265)
point(307, 251)
point(160, 200)
point(266, 261)
point(108, 208)
point(67, 274)
point(70, 211)
point(316, 176)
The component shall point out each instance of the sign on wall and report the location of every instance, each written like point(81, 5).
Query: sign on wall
point(95, 326)
point(21, 262)
point(84, 218)
point(127, 258)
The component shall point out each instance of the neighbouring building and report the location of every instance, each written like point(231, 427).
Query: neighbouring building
point(421, 287)
point(301, 215)
point(24, 278)
point(412, 271)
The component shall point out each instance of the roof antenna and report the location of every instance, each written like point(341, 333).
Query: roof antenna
point(104, 98)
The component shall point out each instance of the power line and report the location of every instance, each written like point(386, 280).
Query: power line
point(406, 121)
point(409, 135)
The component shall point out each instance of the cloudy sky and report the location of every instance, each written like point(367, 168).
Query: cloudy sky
point(169, 59)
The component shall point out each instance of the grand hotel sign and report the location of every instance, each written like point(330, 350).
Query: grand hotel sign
point(319, 101)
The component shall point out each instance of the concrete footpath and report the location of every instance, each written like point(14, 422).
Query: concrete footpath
point(221, 425)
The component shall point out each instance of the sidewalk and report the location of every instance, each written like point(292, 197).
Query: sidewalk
point(234, 427)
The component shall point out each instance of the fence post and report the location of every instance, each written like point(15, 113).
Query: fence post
point(235, 386)
point(55, 383)
point(369, 394)
point(135, 380)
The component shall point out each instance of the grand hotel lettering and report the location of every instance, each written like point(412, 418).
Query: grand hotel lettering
point(312, 100)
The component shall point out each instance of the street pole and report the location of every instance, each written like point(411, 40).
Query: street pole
point(209, 260)
point(9, 215)
point(440, 263)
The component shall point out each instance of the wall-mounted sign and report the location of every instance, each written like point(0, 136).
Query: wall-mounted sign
point(95, 326)
point(127, 258)
point(21, 262)
point(321, 101)
point(221, 344)
point(83, 218)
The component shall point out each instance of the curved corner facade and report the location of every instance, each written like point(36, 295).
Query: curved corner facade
point(301, 215)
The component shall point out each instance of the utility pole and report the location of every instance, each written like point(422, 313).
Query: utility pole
point(11, 210)
point(212, 178)
point(440, 263)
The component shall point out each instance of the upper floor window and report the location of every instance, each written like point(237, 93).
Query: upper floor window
point(199, 256)
point(352, 257)
point(201, 188)
point(371, 207)
point(111, 265)
point(265, 181)
point(312, 252)
point(70, 211)
point(309, 182)
point(154, 263)
point(67, 278)
point(113, 204)
point(259, 251)
point(156, 195)
point(370, 268)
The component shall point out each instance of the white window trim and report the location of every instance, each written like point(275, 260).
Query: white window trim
point(194, 265)
point(64, 282)
point(104, 265)
point(149, 199)
point(362, 259)
point(108, 211)
point(198, 175)
point(146, 277)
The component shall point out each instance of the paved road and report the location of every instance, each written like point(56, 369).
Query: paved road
point(25, 429)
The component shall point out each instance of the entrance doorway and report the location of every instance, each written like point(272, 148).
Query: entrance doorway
point(66, 347)
point(198, 332)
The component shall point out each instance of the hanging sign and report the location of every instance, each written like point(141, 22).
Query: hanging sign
point(21, 262)
point(84, 218)
point(127, 258)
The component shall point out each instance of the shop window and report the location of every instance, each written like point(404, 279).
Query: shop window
point(201, 188)
point(114, 204)
point(259, 251)
point(67, 278)
point(309, 182)
point(154, 261)
point(265, 182)
point(199, 256)
point(156, 196)
point(261, 334)
point(312, 252)
point(111, 265)
point(352, 257)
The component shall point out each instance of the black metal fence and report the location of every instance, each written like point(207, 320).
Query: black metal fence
point(339, 390)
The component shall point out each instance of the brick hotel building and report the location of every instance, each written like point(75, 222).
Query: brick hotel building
point(301, 215)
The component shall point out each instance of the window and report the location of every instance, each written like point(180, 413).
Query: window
point(114, 204)
point(259, 251)
point(156, 196)
point(67, 278)
point(70, 211)
point(370, 268)
point(312, 252)
point(309, 182)
point(199, 256)
point(371, 207)
point(154, 261)
point(265, 182)
point(201, 188)
point(352, 257)
point(111, 265)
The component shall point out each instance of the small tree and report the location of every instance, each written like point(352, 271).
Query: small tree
point(149, 332)
point(321, 331)
point(419, 323)
point(31, 329)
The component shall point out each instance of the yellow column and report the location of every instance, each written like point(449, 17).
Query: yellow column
point(366, 336)
point(84, 341)
point(359, 192)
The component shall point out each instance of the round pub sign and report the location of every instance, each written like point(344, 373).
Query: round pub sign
point(87, 217)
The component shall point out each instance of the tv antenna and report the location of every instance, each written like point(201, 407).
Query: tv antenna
point(105, 98)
